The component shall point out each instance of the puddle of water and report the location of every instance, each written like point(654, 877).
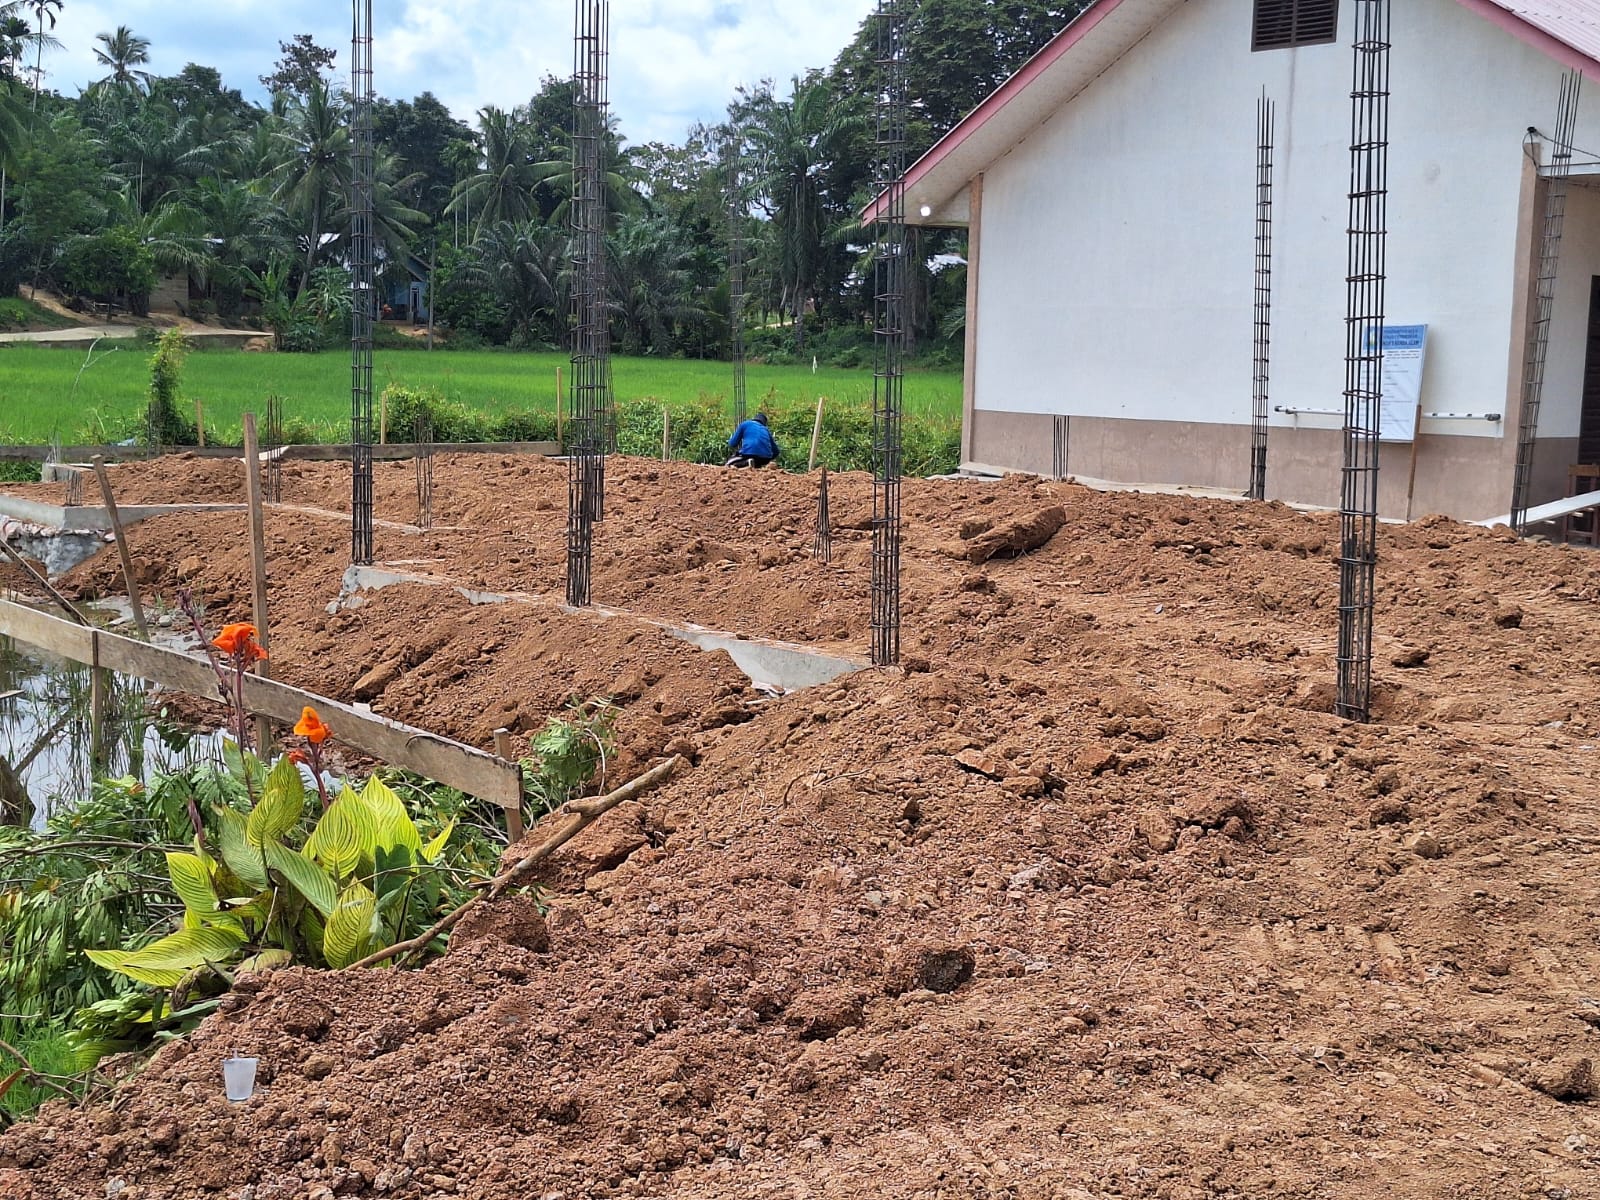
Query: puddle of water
point(45, 732)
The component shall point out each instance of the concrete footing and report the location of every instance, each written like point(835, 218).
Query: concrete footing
point(770, 665)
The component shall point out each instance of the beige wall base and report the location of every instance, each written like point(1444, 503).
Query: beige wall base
point(1464, 477)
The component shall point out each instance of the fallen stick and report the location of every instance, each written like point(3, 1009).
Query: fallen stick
point(580, 813)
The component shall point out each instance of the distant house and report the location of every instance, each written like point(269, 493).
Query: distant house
point(1109, 193)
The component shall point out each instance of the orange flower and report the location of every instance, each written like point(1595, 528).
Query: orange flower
point(299, 756)
point(311, 728)
point(239, 639)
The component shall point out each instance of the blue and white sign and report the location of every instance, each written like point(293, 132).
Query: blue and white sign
point(1404, 348)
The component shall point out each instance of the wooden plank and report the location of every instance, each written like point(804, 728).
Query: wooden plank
point(1549, 512)
point(65, 639)
point(438, 758)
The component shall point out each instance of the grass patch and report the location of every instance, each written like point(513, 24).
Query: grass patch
point(19, 314)
point(47, 393)
point(47, 1051)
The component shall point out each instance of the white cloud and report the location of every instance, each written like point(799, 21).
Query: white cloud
point(674, 62)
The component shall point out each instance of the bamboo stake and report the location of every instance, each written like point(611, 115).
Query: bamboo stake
point(117, 532)
point(816, 435)
point(258, 563)
point(581, 814)
point(514, 829)
point(200, 422)
point(666, 435)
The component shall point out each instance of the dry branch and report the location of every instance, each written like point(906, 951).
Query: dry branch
point(580, 815)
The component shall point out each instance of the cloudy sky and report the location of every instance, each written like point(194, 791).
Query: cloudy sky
point(674, 62)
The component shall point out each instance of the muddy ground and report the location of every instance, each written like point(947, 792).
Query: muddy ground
point(1093, 897)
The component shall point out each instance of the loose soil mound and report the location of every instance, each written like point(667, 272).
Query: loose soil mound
point(1093, 898)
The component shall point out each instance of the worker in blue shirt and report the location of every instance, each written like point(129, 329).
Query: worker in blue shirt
point(752, 444)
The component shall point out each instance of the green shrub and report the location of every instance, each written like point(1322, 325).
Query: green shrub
point(110, 265)
point(164, 422)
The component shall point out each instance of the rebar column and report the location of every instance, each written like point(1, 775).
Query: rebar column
point(363, 292)
point(889, 332)
point(1266, 121)
point(1555, 215)
point(1364, 314)
point(592, 424)
point(736, 254)
point(422, 435)
point(272, 448)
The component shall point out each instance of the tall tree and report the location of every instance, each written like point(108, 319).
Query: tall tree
point(797, 145)
point(123, 52)
point(302, 65)
point(43, 10)
point(312, 174)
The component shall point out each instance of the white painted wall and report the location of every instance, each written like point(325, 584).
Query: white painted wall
point(1118, 239)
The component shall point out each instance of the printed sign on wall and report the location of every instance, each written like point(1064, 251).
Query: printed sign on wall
point(1404, 347)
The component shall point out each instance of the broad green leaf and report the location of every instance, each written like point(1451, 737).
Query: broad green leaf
point(337, 841)
point(349, 928)
point(185, 949)
point(243, 859)
point(267, 960)
point(191, 879)
point(393, 869)
point(431, 852)
point(282, 804)
point(310, 880)
point(394, 825)
point(117, 960)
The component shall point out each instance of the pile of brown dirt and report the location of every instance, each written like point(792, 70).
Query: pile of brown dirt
point(1093, 898)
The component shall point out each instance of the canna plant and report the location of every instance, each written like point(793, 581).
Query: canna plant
point(274, 893)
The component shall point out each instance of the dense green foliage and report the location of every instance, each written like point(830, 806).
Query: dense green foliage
point(142, 176)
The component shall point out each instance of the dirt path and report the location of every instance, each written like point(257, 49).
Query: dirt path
point(1093, 898)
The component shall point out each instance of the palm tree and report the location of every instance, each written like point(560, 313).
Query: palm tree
point(312, 174)
point(651, 282)
point(795, 142)
point(42, 12)
point(122, 52)
point(502, 189)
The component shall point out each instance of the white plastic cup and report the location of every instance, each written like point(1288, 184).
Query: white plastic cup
point(239, 1078)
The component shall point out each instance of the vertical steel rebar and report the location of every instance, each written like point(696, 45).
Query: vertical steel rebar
point(1555, 214)
point(889, 292)
point(363, 292)
point(1364, 317)
point(592, 422)
point(737, 216)
point(1266, 123)
point(272, 451)
point(422, 436)
point(1060, 440)
point(822, 547)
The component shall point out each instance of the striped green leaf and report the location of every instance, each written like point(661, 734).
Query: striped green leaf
point(282, 804)
point(310, 880)
point(348, 932)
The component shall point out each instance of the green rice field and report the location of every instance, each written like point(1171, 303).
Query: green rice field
point(68, 394)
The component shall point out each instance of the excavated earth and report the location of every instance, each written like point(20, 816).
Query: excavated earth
point(1094, 896)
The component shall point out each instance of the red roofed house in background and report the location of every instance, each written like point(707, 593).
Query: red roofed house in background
point(1109, 193)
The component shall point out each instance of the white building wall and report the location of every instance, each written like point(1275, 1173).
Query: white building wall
point(1118, 239)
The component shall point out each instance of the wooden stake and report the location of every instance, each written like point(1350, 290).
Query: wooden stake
point(200, 422)
point(816, 435)
point(99, 697)
point(258, 563)
point(383, 419)
point(666, 435)
point(128, 580)
point(560, 395)
point(1416, 436)
point(502, 747)
point(581, 814)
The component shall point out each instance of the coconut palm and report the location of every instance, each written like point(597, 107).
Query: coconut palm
point(311, 176)
point(651, 283)
point(43, 10)
point(502, 188)
point(123, 52)
point(795, 143)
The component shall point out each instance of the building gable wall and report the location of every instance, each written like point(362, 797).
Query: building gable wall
point(1118, 240)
